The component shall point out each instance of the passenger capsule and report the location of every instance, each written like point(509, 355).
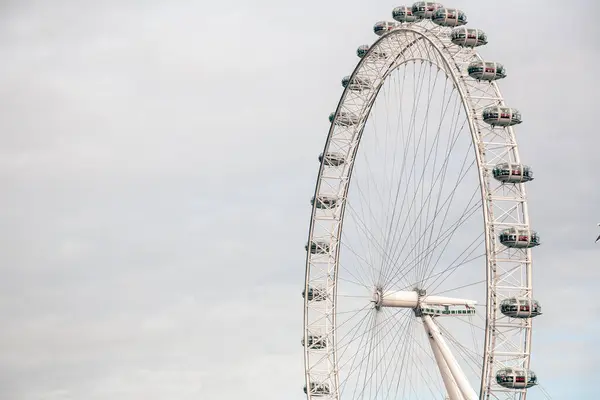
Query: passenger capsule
point(343, 119)
point(325, 202)
point(318, 247)
point(449, 17)
point(382, 27)
point(314, 294)
point(403, 14)
point(468, 37)
point(425, 9)
point(315, 342)
point(501, 116)
point(486, 71)
point(332, 159)
point(362, 50)
point(516, 307)
point(519, 238)
point(356, 84)
point(318, 389)
point(516, 378)
point(512, 173)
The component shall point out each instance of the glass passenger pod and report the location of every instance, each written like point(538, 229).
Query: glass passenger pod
point(516, 378)
point(519, 238)
point(382, 27)
point(468, 37)
point(357, 84)
point(314, 294)
point(425, 9)
point(449, 17)
point(318, 389)
point(332, 159)
point(512, 173)
point(486, 70)
point(315, 342)
point(317, 247)
point(516, 307)
point(362, 50)
point(325, 202)
point(343, 119)
point(501, 116)
point(403, 14)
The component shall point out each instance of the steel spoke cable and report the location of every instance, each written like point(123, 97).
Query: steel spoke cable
point(462, 175)
point(412, 173)
point(402, 335)
point(417, 96)
point(406, 240)
point(432, 247)
point(410, 266)
point(374, 327)
point(406, 192)
point(371, 376)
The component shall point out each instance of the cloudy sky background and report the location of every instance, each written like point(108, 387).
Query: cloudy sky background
point(157, 160)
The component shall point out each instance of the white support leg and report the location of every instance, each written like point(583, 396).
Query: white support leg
point(459, 377)
point(449, 382)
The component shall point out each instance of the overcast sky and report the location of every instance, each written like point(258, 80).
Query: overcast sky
point(157, 159)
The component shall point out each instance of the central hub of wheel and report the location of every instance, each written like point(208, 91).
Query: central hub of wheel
point(421, 293)
point(404, 299)
point(377, 298)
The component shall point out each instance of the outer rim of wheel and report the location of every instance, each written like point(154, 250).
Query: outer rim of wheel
point(454, 67)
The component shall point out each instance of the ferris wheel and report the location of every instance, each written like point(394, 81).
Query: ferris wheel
point(426, 292)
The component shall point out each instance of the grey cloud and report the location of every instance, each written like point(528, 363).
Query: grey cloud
point(157, 161)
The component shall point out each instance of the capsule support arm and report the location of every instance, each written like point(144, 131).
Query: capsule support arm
point(459, 377)
point(451, 387)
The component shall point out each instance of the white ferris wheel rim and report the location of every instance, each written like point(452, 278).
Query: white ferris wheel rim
point(453, 60)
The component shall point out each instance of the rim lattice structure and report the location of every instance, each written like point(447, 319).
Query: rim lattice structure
point(502, 341)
